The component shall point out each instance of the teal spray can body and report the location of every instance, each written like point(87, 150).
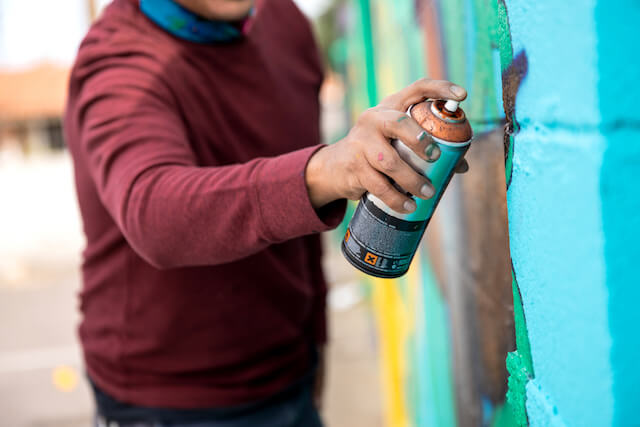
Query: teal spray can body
point(382, 242)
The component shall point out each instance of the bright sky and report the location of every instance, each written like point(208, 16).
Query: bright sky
point(33, 31)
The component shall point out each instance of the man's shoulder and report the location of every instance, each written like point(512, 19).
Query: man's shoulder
point(285, 16)
point(289, 31)
point(120, 36)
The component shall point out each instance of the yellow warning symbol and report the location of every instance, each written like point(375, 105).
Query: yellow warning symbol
point(370, 258)
point(346, 236)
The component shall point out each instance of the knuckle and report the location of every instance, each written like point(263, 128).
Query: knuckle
point(379, 188)
point(391, 125)
point(390, 100)
point(413, 185)
point(350, 165)
point(423, 84)
point(390, 163)
point(367, 115)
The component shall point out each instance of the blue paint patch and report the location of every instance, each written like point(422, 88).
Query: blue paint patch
point(557, 213)
point(621, 227)
point(559, 38)
point(540, 404)
point(556, 245)
point(619, 73)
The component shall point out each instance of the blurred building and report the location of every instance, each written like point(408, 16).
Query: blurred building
point(31, 105)
point(38, 40)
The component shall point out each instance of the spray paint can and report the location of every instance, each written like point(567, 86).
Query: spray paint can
point(382, 242)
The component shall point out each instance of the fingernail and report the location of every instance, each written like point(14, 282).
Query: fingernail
point(457, 90)
point(427, 190)
point(423, 135)
point(410, 206)
point(432, 152)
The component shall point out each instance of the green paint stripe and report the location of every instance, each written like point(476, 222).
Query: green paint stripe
point(503, 36)
point(452, 16)
point(367, 36)
point(522, 335)
point(519, 362)
point(482, 104)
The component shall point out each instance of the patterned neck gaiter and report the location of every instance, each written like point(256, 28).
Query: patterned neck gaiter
point(186, 25)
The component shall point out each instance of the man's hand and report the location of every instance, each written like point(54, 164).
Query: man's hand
point(360, 161)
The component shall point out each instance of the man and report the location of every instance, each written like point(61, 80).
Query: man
point(193, 126)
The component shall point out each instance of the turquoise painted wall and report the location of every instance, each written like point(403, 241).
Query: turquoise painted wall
point(574, 207)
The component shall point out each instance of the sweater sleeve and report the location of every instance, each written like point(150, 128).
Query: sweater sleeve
point(173, 212)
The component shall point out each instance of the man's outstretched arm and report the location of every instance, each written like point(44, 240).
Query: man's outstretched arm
point(173, 212)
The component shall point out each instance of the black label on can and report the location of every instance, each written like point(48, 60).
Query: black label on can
point(380, 244)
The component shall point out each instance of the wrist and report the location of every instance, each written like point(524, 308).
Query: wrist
point(319, 184)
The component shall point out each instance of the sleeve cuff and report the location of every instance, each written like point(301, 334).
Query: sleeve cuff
point(284, 202)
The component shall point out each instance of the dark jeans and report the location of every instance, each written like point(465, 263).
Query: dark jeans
point(292, 408)
point(299, 411)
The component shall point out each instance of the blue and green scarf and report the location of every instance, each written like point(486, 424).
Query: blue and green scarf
point(186, 25)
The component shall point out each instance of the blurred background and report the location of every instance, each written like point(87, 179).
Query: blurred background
point(508, 317)
point(41, 373)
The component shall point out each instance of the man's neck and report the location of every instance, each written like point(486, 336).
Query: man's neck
point(185, 24)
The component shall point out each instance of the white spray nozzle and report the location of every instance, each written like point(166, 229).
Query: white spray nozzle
point(451, 106)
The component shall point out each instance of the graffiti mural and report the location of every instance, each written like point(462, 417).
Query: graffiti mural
point(445, 329)
point(527, 323)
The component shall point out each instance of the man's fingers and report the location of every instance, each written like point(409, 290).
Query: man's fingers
point(379, 185)
point(433, 152)
point(462, 166)
point(382, 157)
point(421, 90)
point(396, 125)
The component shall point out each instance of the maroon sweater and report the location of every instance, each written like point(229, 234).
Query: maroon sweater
point(202, 278)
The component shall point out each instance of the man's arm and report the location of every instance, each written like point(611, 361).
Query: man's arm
point(173, 212)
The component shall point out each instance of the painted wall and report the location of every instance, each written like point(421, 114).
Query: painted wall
point(557, 81)
point(423, 325)
point(573, 208)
